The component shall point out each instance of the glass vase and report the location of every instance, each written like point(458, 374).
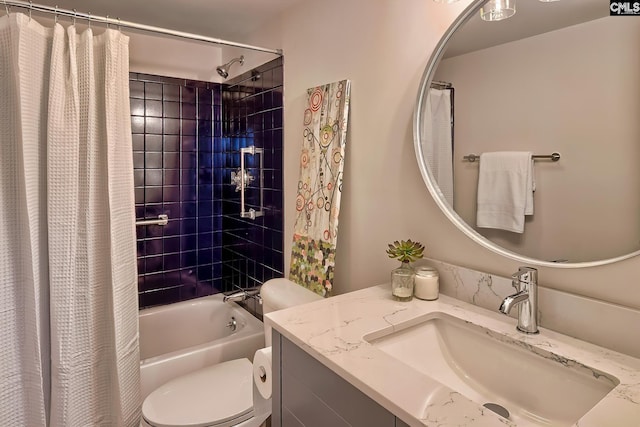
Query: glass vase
point(402, 282)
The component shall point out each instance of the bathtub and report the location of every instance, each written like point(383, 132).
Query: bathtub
point(183, 337)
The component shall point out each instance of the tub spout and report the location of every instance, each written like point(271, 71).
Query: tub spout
point(243, 294)
point(236, 296)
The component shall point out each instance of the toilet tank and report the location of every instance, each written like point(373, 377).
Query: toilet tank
point(278, 294)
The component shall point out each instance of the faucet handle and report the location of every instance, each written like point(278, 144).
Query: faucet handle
point(515, 280)
point(527, 275)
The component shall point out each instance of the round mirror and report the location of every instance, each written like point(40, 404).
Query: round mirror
point(555, 78)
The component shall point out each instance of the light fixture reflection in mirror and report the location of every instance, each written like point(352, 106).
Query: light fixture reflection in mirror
point(497, 10)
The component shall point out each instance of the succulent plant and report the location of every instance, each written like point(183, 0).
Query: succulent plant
point(405, 250)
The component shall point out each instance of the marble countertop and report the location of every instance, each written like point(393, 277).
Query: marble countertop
point(333, 331)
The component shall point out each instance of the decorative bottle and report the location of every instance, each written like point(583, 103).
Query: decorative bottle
point(402, 282)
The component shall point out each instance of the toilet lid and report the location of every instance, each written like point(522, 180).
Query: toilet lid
point(206, 397)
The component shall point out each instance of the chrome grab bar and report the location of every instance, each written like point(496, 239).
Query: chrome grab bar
point(162, 220)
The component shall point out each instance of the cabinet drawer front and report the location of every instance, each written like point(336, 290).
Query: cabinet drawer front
point(307, 408)
point(301, 372)
point(289, 420)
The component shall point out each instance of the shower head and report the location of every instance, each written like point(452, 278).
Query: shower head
point(223, 70)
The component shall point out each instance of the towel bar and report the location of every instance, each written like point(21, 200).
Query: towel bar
point(554, 157)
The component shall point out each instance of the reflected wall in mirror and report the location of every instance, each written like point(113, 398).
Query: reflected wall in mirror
point(555, 77)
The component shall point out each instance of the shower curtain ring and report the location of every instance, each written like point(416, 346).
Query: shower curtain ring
point(55, 16)
point(107, 21)
point(75, 13)
point(6, 6)
point(89, 19)
point(30, 9)
point(119, 26)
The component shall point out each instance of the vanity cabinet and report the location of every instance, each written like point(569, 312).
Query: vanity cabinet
point(308, 394)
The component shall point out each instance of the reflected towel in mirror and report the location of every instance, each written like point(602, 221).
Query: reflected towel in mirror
point(505, 190)
point(438, 140)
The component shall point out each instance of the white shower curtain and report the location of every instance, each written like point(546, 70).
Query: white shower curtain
point(437, 139)
point(68, 288)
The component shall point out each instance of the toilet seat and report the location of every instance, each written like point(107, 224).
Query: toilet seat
point(219, 395)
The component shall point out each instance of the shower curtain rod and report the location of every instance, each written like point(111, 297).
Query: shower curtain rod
point(110, 21)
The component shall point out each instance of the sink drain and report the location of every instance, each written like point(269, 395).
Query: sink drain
point(500, 410)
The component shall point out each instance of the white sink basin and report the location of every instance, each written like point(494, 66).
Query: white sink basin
point(536, 387)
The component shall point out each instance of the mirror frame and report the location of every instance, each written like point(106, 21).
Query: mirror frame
point(429, 179)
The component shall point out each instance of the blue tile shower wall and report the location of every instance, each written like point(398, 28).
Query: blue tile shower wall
point(252, 250)
point(177, 128)
point(184, 152)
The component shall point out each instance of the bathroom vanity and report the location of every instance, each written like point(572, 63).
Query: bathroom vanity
point(310, 394)
point(363, 359)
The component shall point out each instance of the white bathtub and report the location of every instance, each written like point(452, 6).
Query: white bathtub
point(180, 338)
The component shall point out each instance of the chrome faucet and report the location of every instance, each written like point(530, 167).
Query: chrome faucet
point(236, 296)
point(243, 294)
point(526, 283)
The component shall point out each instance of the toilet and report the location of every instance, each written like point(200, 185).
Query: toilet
point(220, 395)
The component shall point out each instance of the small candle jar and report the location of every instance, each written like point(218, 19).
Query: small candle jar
point(426, 283)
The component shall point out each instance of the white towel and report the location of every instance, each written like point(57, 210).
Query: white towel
point(505, 190)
